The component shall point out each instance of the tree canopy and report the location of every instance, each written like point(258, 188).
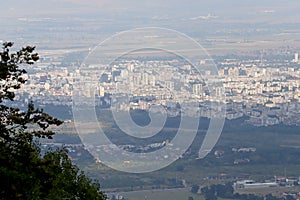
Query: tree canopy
point(26, 172)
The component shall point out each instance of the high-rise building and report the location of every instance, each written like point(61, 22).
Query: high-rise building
point(101, 91)
point(296, 59)
point(130, 67)
point(197, 89)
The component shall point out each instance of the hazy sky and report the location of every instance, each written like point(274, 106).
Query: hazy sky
point(174, 8)
point(194, 17)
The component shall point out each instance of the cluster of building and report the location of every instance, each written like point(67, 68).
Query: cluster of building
point(282, 182)
point(110, 150)
point(220, 153)
point(75, 151)
point(264, 93)
point(224, 176)
point(276, 182)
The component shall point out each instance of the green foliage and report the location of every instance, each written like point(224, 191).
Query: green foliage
point(10, 74)
point(195, 189)
point(24, 172)
point(226, 191)
point(209, 193)
point(271, 197)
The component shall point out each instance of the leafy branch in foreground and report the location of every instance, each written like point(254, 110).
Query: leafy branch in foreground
point(26, 173)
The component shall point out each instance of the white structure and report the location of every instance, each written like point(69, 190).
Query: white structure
point(197, 89)
point(245, 184)
point(296, 59)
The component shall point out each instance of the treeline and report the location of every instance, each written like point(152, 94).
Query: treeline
point(226, 191)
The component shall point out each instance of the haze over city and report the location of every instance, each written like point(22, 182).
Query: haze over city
point(160, 99)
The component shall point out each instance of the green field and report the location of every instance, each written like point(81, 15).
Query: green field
point(162, 195)
point(277, 153)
